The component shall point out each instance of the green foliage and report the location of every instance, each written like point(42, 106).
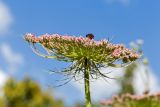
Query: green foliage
point(27, 93)
point(127, 80)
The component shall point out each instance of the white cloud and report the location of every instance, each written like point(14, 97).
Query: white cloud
point(123, 2)
point(5, 18)
point(12, 58)
point(3, 78)
point(100, 89)
point(145, 80)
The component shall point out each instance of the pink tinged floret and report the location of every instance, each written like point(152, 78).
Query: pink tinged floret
point(138, 97)
point(158, 94)
point(127, 51)
point(80, 39)
point(31, 38)
point(98, 43)
point(29, 34)
point(134, 55)
point(121, 46)
point(40, 39)
point(66, 37)
point(107, 102)
point(116, 53)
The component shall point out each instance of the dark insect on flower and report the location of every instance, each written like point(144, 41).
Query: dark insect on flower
point(90, 36)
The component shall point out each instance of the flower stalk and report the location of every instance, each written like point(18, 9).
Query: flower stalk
point(87, 84)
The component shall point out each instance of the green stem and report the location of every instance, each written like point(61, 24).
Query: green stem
point(87, 84)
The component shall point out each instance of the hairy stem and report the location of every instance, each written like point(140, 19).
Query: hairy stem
point(87, 84)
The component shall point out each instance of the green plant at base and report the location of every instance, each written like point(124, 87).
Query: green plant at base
point(128, 100)
point(27, 93)
point(86, 55)
point(126, 82)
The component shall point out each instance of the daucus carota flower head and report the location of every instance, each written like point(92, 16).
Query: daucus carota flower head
point(75, 48)
point(79, 49)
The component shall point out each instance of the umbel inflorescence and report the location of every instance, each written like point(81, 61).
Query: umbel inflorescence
point(70, 48)
point(86, 55)
point(78, 49)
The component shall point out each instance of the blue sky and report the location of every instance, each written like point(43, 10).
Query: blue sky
point(122, 20)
